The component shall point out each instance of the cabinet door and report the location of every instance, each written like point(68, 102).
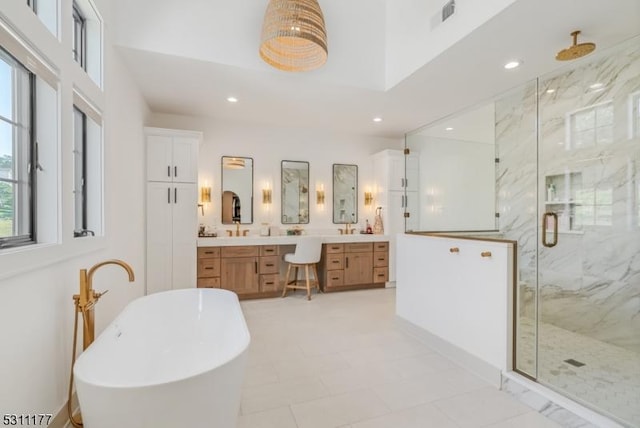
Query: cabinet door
point(412, 172)
point(239, 274)
point(396, 171)
point(159, 163)
point(159, 237)
point(185, 160)
point(394, 221)
point(358, 268)
point(411, 206)
point(184, 199)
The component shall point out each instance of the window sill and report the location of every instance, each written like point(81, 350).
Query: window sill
point(20, 260)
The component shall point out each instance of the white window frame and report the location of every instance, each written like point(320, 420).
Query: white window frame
point(569, 127)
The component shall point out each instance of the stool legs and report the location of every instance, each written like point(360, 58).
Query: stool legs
point(286, 281)
point(288, 284)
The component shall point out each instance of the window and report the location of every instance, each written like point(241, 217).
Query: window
point(80, 177)
point(591, 126)
point(595, 207)
point(79, 37)
point(17, 177)
point(87, 177)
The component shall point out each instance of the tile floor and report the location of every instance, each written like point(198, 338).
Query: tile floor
point(339, 361)
point(608, 380)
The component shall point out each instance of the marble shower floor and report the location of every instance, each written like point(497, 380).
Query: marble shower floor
point(340, 361)
point(609, 379)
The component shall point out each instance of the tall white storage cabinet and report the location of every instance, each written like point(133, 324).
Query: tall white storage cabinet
point(397, 194)
point(172, 216)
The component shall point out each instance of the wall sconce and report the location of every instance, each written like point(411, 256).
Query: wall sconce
point(266, 196)
point(368, 198)
point(205, 194)
point(320, 197)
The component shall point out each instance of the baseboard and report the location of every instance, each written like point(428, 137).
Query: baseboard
point(61, 419)
point(560, 409)
point(475, 365)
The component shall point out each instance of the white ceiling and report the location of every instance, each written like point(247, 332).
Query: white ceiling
point(188, 63)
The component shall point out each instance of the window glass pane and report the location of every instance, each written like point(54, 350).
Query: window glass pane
point(79, 172)
point(604, 115)
point(7, 198)
point(6, 150)
point(604, 135)
point(584, 120)
point(584, 138)
point(6, 90)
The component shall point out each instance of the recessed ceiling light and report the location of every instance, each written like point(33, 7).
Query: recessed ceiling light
point(232, 99)
point(448, 129)
point(550, 91)
point(597, 85)
point(512, 64)
point(377, 119)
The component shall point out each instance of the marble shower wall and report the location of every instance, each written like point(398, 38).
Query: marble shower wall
point(589, 149)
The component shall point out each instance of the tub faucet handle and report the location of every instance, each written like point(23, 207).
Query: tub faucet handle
point(97, 295)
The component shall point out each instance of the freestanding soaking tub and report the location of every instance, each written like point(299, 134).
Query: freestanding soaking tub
point(171, 359)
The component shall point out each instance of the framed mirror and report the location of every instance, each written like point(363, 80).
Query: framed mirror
point(237, 190)
point(345, 194)
point(295, 192)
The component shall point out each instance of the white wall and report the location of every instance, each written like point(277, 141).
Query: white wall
point(412, 41)
point(268, 146)
point(36, 306)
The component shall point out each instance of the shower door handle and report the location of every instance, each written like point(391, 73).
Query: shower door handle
point(545, 222)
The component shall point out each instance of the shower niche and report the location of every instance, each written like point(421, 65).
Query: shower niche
point(563, 197)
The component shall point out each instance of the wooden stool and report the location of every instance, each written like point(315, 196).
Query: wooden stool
point(307, 255)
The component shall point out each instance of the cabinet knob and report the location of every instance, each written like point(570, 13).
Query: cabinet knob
point(485, 254)
point(454, 250)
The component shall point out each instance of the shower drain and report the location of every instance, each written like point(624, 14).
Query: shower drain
point(574, 363)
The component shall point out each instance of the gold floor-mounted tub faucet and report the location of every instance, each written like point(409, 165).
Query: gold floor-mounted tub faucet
point(88, 297)
point(85, 303)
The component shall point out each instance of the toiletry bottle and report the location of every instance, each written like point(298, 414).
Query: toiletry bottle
point(369, 230)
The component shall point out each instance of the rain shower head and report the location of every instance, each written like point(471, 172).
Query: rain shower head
point(576, 50)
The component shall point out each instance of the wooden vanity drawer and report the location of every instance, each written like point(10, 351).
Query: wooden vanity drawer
point(380, 274)
point(208, 252)
point(269, 264)
point(335, 278)
point(360, 247)
point(380, 246)
point(380, 259)
point(334, 248)
point(208, 268)
point(209, 282)
point(269, 250)
point(335, 261)
point(270, 282)
point(243, 251)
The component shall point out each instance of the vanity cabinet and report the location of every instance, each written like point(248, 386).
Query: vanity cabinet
point(354, 265)
point(250, 270)
point(171, 202)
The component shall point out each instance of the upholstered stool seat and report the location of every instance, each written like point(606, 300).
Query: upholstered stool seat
point(307, 255)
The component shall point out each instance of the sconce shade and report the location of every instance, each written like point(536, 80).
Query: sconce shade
point(368, 198)
point(320, 197)
point(266, 196)
point(205, 194)
point(294, 37)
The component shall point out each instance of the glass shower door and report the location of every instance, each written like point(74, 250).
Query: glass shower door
point(588, 285)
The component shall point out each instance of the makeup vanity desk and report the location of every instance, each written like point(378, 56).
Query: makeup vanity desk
point(253, 267)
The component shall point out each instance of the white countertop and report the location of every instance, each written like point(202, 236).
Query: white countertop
point(285, 239)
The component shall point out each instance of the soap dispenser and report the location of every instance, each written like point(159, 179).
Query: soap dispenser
point(368, 229)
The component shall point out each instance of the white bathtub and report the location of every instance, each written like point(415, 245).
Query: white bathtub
point(171, 359)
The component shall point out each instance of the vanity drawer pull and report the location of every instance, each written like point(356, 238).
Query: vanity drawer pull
point(335, 278)
point(485, 254)
point(268, 251)
point(208, 252)
point(380, 275)
point(208, 268)
point(269, 283)
point(454, 250)
point(335, 248)
point(335, 261)
point(381, 259)
point(269, 264)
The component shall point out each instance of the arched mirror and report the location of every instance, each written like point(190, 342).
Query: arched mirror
point(295, 192)
point(345, 194)
point(237, 190)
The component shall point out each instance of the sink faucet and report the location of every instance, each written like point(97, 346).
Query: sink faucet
point(87, 298)
point(346, 230)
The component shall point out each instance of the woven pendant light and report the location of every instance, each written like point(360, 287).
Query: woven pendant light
point(293, 35)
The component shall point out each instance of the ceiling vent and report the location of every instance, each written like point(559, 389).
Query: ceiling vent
point(448, 9)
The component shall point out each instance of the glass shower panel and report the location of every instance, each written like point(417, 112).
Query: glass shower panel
point(589, 282)
point(516, 172)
